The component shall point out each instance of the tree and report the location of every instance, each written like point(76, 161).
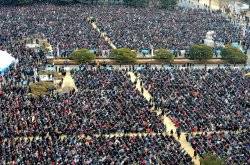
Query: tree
point(136, 3)
point(164, 55)
point(211, 159)
point(123, 55)
point(82, 56)
point(233, 55)
point(201, 52)
point(168, 4)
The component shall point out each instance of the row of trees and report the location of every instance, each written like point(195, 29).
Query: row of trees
point(135, 3)
point(197, 52)
point(143, 3)
point(229, 54)
point(122, 55)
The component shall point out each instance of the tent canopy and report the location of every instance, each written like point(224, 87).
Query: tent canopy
point(5, 60)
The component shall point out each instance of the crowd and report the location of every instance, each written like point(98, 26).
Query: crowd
point(106, 101)
point(177, 29)
point(201, 100)
point(72, 150)
point(95, 109)
point(116, 101)
point(246, 41)
point(233, 147)
point(65, 27)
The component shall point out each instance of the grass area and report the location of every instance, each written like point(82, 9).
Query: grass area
point(41, 88)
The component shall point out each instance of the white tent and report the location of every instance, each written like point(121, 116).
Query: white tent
point(5, 60)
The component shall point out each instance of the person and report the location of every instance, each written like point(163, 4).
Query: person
point(195, 154)
point(187, 137)
point(171, 132)
point(178, 132)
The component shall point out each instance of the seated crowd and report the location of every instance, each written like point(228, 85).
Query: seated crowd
point(65, 27)
point(246, 40)
point(116, 101)
point(233, 147)
point(177, 29)
point(106, 102)
point(72, 150)
point(114, 106)
point(201, 100)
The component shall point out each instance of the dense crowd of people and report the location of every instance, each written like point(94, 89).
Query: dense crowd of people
point(246, 40)
point(199, 99)
point(233, 147)
point(65, 27)
point(177, 29)
point(106, 102)
point(116, 101)
point(72, 150)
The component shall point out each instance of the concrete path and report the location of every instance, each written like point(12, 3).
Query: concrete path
point(68, 83)
point(167, 121)
point(103, 35)
point(218, 132)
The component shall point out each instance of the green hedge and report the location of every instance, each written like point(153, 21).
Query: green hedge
point(123, 55)
point(211, 159)
point(164, 55)
point(201, 52)
point(82, 56)
point(233, 55)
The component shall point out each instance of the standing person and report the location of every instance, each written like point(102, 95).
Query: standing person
point(195, 153)
point(171, 132)
point(187, 137)
point(178, 132)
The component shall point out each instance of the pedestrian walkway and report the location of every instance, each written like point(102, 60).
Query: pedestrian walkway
point(103, 35)
point(169, 125)
point(218, 132)
point(68, 83)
